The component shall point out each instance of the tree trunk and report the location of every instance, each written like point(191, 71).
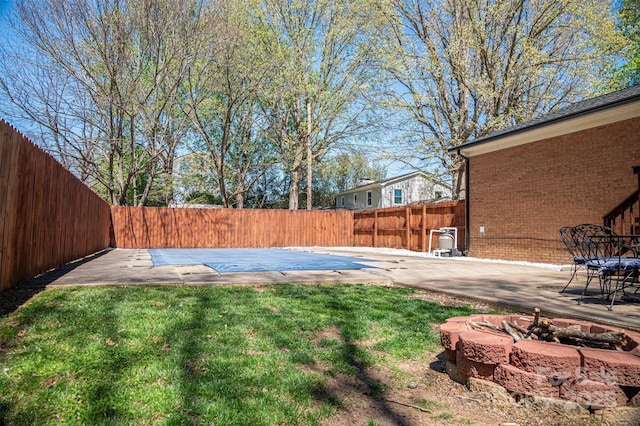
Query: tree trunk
point(240, 191)
point(459, 190)
point(294, 189)
point(309, 157)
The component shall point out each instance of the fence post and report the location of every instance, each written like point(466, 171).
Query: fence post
point(9, 153)
point(375, 228)
point(407, 222)
point(423, 230)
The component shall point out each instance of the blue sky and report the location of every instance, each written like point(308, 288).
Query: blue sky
point(5, 6)
point(393, 168)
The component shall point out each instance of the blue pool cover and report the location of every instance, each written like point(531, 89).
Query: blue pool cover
point(256, 260)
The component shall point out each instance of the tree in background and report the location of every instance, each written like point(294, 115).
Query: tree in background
point(119, 88)
point(102, 79)
point(341, 172)
point(225, 85)
point(196, 181)
point(628, 24)
point(324, 64)
point(463, 69)
point(255, 101)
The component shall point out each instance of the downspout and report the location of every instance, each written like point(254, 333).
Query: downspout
point(467, 234)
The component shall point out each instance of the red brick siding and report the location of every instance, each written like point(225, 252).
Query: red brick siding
point(523, 195)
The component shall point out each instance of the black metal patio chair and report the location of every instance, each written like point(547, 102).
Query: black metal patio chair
point(604, 254)
point(566, 235)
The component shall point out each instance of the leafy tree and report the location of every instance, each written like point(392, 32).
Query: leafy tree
point(117, 88)
point(271, 191)
point(102, 81)
point(628, 24)
point(224, 89)
point(466, 68)
point(323, 55)
point(341, 172)
point(195, 180)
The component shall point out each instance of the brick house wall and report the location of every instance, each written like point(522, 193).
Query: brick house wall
point(522, 195)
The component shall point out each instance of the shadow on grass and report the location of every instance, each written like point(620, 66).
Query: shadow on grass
point(87, 362)
point(183, 362)
point(187, 335)
point(221, 376)
point(11, 299)
point(356, 358)
point(105, 388)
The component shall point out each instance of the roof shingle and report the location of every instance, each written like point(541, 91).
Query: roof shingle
point(608, 100)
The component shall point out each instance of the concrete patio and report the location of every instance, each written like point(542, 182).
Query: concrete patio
point(517, 287)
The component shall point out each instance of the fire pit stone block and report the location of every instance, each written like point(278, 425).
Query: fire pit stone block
point(592, 394)
point(455, 374)
point(464, 319)
point(556, 362)
point(634, 395)
point(450, 355)
point(633, 342)
point(611, 367)
point(516, 380)
point(597, 328)
point(593, 378)
point(470, 368)
point(494, 319)
point(485, 348)
point(449, 332)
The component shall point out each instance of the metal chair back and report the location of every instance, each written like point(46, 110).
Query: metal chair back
point(566, 236)
point(603, 251)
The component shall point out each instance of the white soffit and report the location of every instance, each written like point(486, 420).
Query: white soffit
point(554, 129)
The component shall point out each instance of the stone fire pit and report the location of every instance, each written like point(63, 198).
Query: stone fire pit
point(593, 378)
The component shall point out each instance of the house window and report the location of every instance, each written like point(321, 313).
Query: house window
point(355, 199)
point(397, 196)
point(342, 201)
point(369, 199)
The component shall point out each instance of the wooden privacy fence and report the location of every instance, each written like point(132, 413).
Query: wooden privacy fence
point(47, 216)
point(408, 227)
point(405, 227)
point(151, 227)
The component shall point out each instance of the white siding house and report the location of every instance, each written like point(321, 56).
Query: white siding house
point(392, 192)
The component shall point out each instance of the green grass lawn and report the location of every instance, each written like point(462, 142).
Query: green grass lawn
point(201, 355)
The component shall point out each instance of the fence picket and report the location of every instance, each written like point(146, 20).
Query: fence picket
point(47, 216)
point(149, 227)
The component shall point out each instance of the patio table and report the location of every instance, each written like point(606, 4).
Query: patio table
point(624, 266)
point(611, 257)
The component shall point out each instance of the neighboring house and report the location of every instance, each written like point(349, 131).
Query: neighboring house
point(571, 166)
point(392, 192)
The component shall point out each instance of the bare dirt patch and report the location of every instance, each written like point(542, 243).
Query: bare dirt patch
point(450, 300)
point(421, 393)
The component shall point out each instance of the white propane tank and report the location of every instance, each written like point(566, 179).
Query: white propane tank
point(445, 241)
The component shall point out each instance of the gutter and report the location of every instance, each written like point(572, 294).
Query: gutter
point(467, 231)
point(366, 187)
point(552, 118)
